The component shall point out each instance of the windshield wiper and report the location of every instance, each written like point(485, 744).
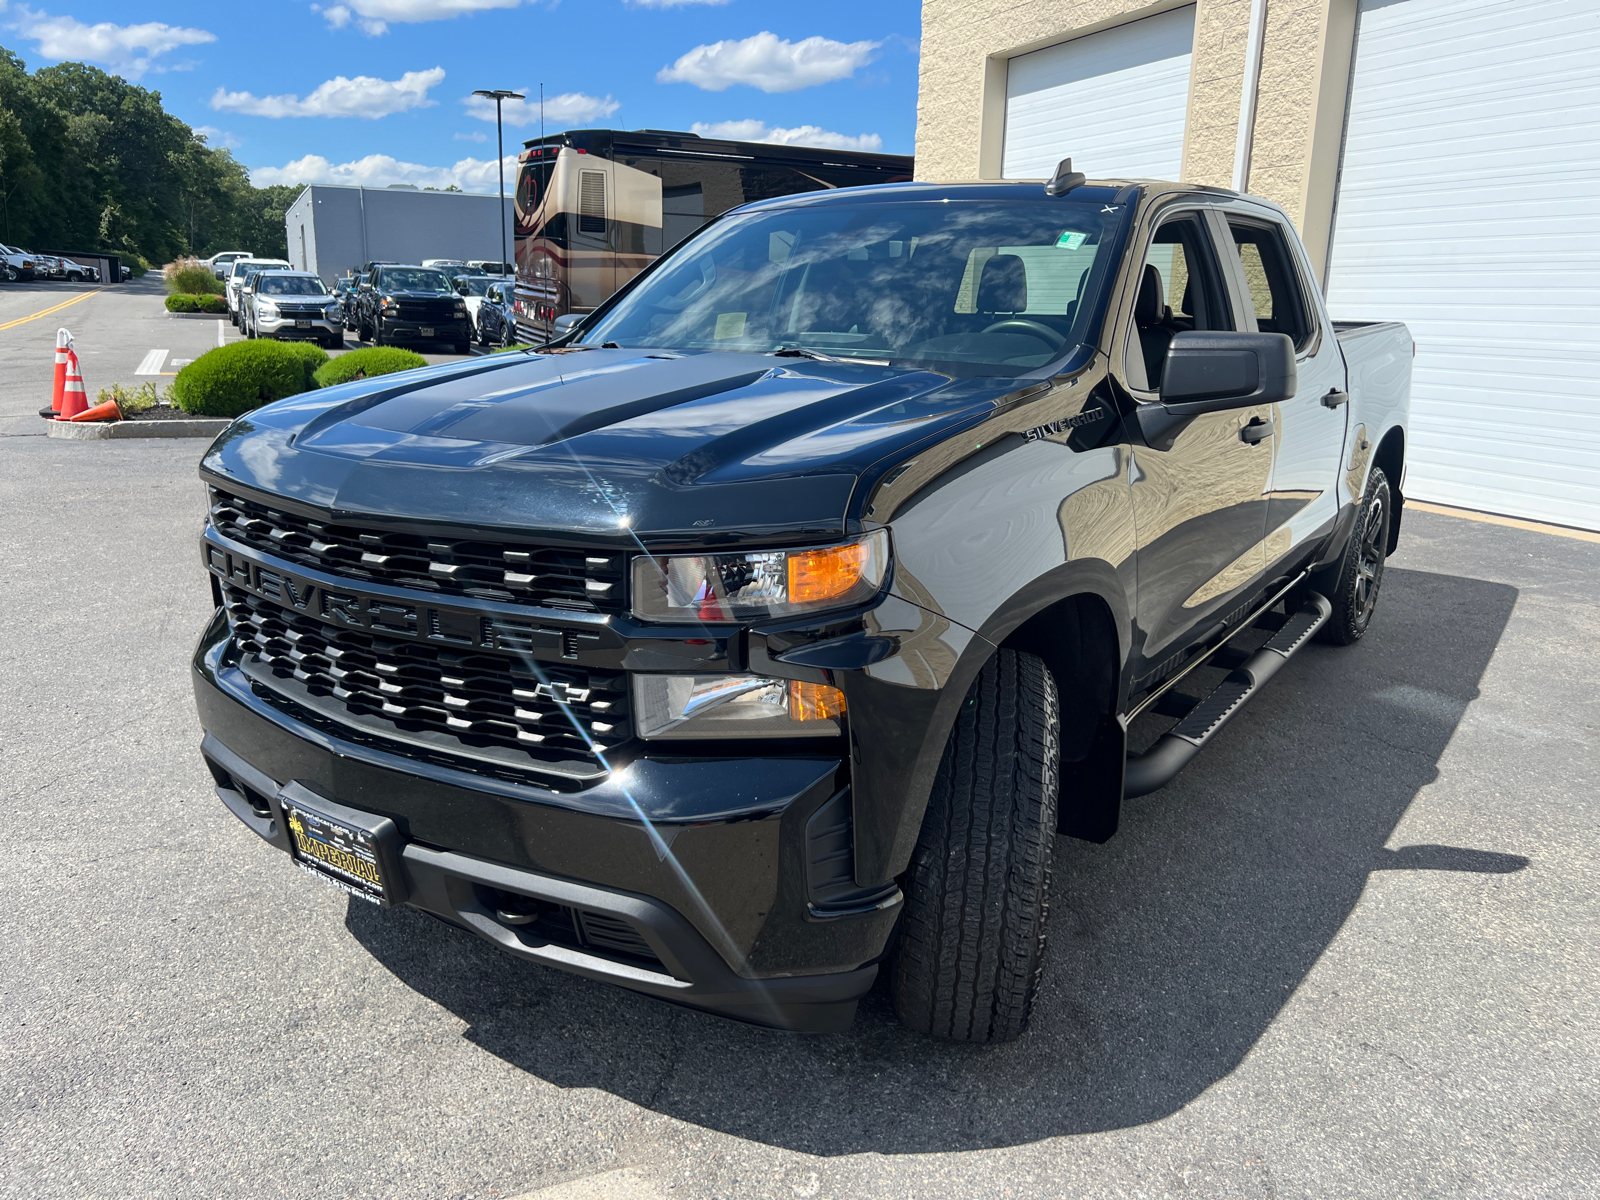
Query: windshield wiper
point(802, 352)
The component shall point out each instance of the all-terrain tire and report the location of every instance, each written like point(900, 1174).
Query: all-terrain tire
point(972, 939)
point(1352, 585)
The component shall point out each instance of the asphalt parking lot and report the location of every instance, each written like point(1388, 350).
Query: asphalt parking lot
point(123, 334)
point(1350, 952)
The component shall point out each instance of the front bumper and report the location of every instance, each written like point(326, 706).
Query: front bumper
point(457, 329)
point(288, 327)
point(704, 860)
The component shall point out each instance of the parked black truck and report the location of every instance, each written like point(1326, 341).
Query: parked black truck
point(763, 632)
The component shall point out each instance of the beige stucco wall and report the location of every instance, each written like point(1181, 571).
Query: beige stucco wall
point(1305, 65)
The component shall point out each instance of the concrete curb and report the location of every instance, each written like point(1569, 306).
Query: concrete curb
point(94, 431)
point(197, 316)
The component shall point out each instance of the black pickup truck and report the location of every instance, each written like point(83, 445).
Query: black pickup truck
point(763, 632)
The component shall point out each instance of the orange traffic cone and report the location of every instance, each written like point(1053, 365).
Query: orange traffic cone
point(100, 412)
point(74, 399)
point(63, 344)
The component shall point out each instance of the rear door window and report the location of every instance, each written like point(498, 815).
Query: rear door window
point(1271, 280)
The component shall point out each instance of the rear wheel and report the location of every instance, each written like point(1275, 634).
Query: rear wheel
point(1353, 587)
point(972, 939)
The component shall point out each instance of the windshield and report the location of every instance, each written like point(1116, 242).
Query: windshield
point(290, 285)
point(473, 285)
point(413, 279)
point(245, 267)
point(977, 287)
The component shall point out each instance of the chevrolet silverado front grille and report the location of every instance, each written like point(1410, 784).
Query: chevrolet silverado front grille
point(469, 700)
point(582, 580)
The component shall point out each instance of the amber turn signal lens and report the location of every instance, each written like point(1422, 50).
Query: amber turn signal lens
point(816, 575)
point(814, 702)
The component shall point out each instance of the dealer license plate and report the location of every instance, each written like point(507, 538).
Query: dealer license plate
point(302, 324)
point(425, 331)
point(336, 851)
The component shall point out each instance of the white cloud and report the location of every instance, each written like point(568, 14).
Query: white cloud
point(362, 96)
point(560, 112)
point(217, 137)
point(767, 62)
point(381, 170)
point(128, 49)
point(800, 135)
point(373, 16)
point(475, 136)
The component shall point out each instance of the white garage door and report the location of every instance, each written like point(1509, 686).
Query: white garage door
point(1114, 102)
point(1469, 207)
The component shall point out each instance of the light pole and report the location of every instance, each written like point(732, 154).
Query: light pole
point(499, 96)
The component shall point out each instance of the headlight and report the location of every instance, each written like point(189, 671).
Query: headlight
point(461, 308)
point(776, 583)
point(267, 309)
point(331, 312)
point(734, 706)
point(388, 302)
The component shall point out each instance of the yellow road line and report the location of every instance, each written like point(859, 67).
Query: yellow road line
point(45, 312)
point(1467, 514)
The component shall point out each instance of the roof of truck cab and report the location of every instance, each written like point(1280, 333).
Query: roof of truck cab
point(1102, 190)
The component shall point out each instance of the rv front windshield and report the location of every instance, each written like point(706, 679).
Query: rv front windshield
point(973, 286)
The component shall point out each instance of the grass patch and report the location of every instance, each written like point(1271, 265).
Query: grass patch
point(191, 277)
point(130, 399)
point(365, 363)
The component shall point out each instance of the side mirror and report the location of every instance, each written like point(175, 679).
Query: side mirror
point(1209, 372)
point(248, 291)
point(566, 323)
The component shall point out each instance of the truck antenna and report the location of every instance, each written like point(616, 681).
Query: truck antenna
point(1064, 180)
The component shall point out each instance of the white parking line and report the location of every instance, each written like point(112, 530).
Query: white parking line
point(221, 336)
point(153, 362)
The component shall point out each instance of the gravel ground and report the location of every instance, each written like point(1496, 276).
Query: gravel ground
point(1350, 952)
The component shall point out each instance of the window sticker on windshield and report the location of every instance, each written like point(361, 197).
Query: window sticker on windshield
point(1071, 241)
point(730, 325)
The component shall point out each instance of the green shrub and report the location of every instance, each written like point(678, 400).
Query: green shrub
point(311, 357)
point(364, 364)
point(130, 399)
point(190, 276)
point(234, 379)
point(183, 302)
point(136, 264)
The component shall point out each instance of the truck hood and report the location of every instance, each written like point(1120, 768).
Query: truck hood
point(620, 444)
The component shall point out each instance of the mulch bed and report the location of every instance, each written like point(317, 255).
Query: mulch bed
point(161, 412)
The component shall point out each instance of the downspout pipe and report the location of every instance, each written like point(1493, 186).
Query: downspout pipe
point(1248, 92)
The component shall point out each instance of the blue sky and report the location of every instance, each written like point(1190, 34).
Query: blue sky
point(293, 87)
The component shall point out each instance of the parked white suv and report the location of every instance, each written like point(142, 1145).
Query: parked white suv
point(222, 261)
point(242, 267)
point(17, 264)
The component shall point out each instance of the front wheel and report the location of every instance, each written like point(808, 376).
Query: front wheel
point(972, 939)
point(1353, 591)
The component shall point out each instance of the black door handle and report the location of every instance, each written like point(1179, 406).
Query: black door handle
point(1256, 431)
point(1334, 398)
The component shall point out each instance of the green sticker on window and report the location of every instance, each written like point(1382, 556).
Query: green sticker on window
point(1071, 241)
point(729, 325)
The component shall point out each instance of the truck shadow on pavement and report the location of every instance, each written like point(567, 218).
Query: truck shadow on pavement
point(1173, 947)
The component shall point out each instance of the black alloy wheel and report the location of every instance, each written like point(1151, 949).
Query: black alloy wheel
point(1354, 590)
point(972, 939)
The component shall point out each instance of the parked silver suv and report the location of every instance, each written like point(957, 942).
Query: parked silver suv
point(293, 304)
